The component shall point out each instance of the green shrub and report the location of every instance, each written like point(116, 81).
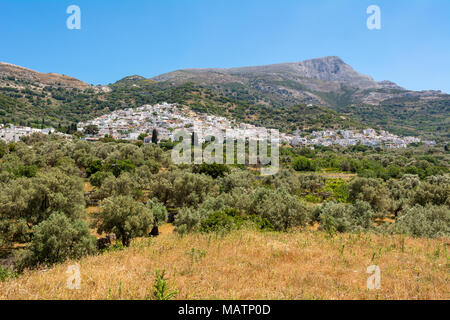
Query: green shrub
point(335, 217)
point(218, 221)
point(6, 274)
point(304, 164)
point(342, 217)
point(55, 240)
point(188, 219)
point(161, 290)
point(428, 222)
point(339, 189)
point(312, 198)
point(26, 171)
point(124, 217)
point(280, 208)
point(97, 178)
point(214, 170)
point(94, 167)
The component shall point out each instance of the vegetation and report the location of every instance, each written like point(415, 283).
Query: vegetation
point(248, 264)
point(56, 240)
point(135, 188)
point(161, 288)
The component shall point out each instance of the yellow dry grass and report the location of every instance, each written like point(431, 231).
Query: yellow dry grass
point(248, 264)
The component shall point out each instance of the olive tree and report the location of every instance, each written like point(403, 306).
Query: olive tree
point(435, 190)
point(182, 188)
point(430, 221)
point(56, 239)
point(124, 217)
point(160, 215)
point(372, 191)
point(125, 184)
point(342, 217)
point(32, 200)
point(280, 208)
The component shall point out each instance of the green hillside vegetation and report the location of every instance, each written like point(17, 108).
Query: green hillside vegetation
point(406, 117)
point(264, 100)
point(61, 108)
point(136, 188)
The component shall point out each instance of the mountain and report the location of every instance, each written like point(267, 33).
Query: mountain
point(31, 98)
point(327, 81)
point(23, 76)
point(327, 69)
point(313, 94)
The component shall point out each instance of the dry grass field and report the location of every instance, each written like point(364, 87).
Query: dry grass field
point(251, 265)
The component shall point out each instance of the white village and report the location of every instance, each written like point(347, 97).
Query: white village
point(130, 124)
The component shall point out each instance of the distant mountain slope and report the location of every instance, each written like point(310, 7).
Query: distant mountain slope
point(317, 93)
point(10, 73)
point(327, 82)
point(327, 69)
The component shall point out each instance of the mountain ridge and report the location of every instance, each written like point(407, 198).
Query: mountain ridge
point(248, 93)
point(28, 76)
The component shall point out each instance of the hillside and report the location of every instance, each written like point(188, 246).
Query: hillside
point(332, 83)
point(325, 81)
point(250, 265)
point(21, 76)
point(205, 100)
point(35, 105)
point(317, 93)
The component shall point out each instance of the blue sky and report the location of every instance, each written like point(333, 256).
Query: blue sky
point(150, 37)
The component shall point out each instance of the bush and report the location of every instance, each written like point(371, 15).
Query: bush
point(188, 219)
point(159, 212)
point(280, 208)
point(339, 189)
point(217, 221)
point(343, 217)
point(303, 164)
point(97, 178)
point(26, 171)
point(312, 182)
point(430, 222)
point(312, 198)
point(94, 167)
point(55, 240)
point(120, 166)
point(214, 170)
point(335, 217)
point(125, 218)
point(6, 274)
